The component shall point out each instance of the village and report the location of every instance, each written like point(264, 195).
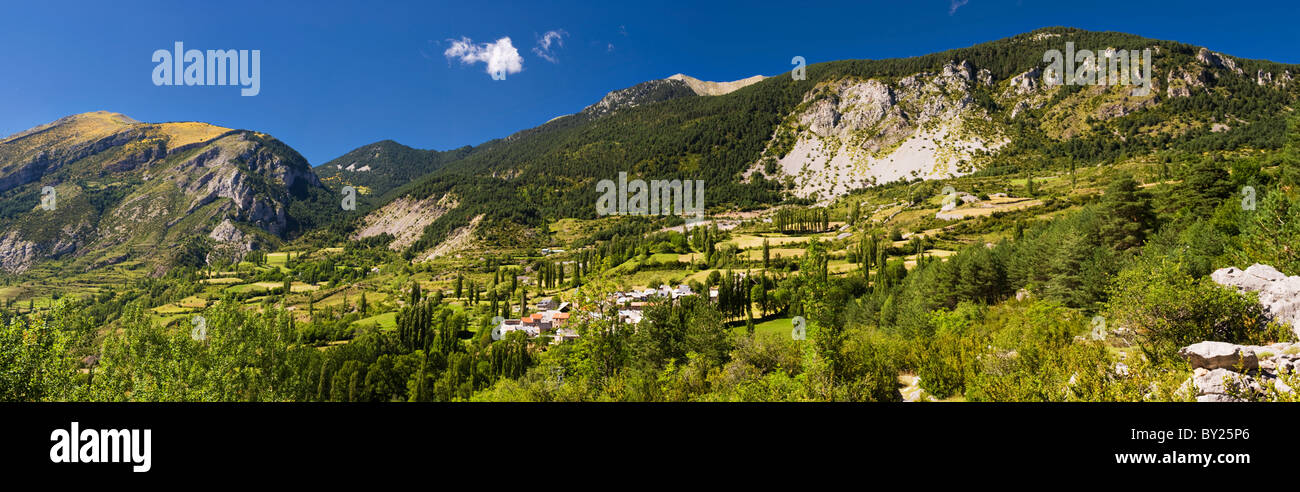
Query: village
point(552, 318)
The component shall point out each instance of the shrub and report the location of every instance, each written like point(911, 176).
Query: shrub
point(1161, 308)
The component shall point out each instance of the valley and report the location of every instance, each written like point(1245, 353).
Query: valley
point(947, 228)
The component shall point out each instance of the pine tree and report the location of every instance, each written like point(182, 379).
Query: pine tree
point(1126, 215)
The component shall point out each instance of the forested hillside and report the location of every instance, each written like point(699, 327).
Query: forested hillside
point(380, 168)
point(723, 140)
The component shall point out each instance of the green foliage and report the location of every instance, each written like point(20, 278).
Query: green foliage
point(1127, 215)
point(35, 364)
point(1157, 306)
point(948, 356)
point(391, 166)
point(1271, 233)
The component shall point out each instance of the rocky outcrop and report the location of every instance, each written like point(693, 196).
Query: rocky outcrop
point(16, 254)
point(1228, 372)
point(53, 158)
point(232, 169)
point(855, 132)
point(1278, 293)
point(1027, 82)
point(1263, 78)
point(1181, 81)
point(1224, 372)
point(26, 172)
point(135, 160)
point(1218, 60)
point(232, 244)
point(226, 232)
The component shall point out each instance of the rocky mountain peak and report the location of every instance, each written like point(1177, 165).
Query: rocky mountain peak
point(706, 88)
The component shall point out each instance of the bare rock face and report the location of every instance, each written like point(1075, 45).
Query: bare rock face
point(1181, 81)
point(1027, 82)
point(220, 172)
point(857, 106)
point(405, 219)
point(1217, 60)
point(226, 232)
point(1278, 293)
point(232, 244)
point(1263, 78)
point(855, 132)
point(16, 254)
point(162, 174)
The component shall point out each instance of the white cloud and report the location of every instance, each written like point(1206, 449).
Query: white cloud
point(500, 56)
point(953, 5)
point(543, 48)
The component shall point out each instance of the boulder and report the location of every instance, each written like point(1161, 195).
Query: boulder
point(1219, 355)
point(1218, 382)
point(1278, 293)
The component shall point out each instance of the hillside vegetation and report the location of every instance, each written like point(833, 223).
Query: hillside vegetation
point(1069, 259)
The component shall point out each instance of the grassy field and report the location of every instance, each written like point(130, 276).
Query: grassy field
point(665, 257)
point(386, 321)
point(779, 327)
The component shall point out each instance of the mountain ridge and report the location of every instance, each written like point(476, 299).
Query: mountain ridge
point(943, 114)
point(758, 141)
point(125, 192)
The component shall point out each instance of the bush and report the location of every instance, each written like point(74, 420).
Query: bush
point(945, 358)
point(1160, 308)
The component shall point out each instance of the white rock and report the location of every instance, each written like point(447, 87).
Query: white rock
point(1121, 369)
point(1278, 293)
point(1213, 382)
point(1219, 355)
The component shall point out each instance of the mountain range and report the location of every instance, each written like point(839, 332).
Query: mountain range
point(155, 195)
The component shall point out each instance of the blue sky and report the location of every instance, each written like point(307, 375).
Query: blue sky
point(337, 75)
